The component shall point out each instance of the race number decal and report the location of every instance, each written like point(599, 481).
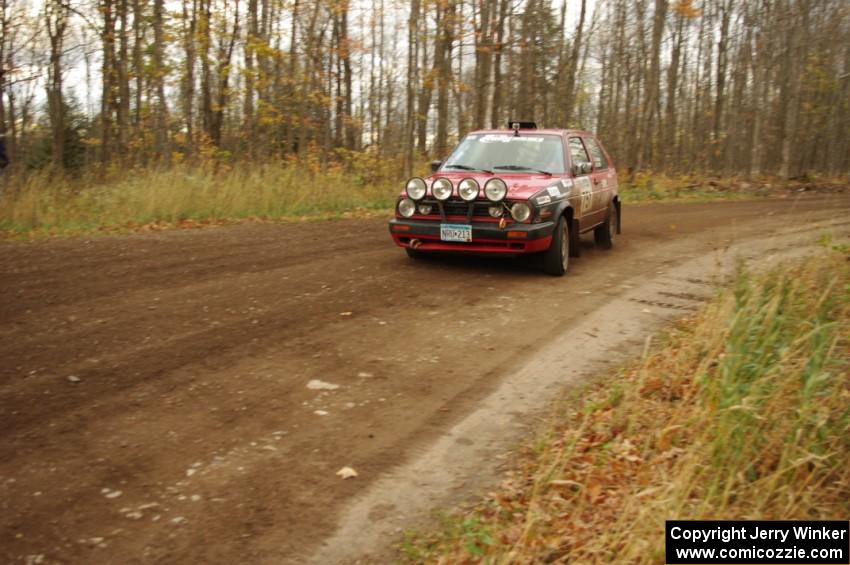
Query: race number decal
point(583, 185)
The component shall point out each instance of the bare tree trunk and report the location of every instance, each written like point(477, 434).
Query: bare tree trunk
point(138, 65)
point(251, 40)
point(672, 86)
point(569, 90)
point(720, 95)
point(483, 41)
point(424, 102)
point(458, 85)
point(108, 77)
point(791, 86)
point(222, 74)
point(443, 65)
point(204, 44)
point(190, 23)
point(652, 85)
point(56, 22)
point(496, 105)
point(159, 71)
point(345, 55)
point(412, 83)
point(123, 79)
point(294, 82)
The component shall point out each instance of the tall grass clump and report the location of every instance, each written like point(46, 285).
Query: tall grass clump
point(743, 413)
point(42, 201)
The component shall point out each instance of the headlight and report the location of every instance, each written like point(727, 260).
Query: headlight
point(442, 189)
point(495, 189)
point(424, 209)
point(521, 211)
point(496, 211)
point(406, 207)
point(468, 189)
point(415, 188)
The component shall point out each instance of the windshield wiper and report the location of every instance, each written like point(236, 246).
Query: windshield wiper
point(467, 168)
point(522, 168)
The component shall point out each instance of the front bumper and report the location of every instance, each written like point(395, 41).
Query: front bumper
point(424, 235)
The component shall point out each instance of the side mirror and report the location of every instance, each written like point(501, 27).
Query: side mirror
point(576, 169)
point(435, 166)
point(586, 168)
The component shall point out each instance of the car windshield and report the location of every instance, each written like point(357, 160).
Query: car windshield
point(508, 153)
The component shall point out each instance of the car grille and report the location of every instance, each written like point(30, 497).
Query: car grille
point(459, 208)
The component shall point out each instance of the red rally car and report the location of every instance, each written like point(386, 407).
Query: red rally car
point(513, 191)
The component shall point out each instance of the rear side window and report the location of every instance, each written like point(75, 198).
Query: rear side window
point(596, 153)
point(577, 153)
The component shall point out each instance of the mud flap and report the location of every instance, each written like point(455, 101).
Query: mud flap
point(619, 216)
point(575, 242)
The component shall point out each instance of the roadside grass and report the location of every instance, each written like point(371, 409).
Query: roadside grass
point(648, 187)
point(655, 187)
point(357, 184)
point(741, 412)
point(188, 196)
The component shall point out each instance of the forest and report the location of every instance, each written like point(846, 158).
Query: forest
point(717, 86)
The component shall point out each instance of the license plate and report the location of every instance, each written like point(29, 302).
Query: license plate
point(455, 232)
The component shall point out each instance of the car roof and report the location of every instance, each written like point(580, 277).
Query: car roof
point(548, 131)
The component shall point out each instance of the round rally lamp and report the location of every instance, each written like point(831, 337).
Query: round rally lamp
point(415, 188)
point(520, 211)
point(468, 189)
point(406, 207)
point(442, 189)
point(495, 190)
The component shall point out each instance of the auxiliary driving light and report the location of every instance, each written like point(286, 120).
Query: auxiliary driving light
point(406, 207)
point(468, 189)
point(442, 189)
point(495, 190)
point(424, 209)
point(415, 188)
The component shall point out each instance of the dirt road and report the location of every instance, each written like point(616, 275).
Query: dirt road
point(154, 399)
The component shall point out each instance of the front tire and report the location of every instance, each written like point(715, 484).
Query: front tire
point(556, 259)
point(607, 232)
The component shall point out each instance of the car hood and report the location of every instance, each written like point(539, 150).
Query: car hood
point(521, 186)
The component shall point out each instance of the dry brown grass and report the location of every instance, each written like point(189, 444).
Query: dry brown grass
point(42, 203)
point(654, 187)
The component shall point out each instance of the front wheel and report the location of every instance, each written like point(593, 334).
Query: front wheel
point(605, 234)
point(556, 259)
